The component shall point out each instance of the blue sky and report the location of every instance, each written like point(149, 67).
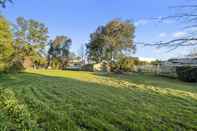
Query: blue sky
point(78, 18)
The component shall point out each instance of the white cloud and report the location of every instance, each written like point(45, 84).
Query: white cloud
point(163, 34)
point(141, 22)
point(179, 34)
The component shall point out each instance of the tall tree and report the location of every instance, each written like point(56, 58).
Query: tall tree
point(6, 47)
point(30, 38)
point(110, 41)
point(95, 47)
point(58, 54)
point(81, 53)
point(119, 36)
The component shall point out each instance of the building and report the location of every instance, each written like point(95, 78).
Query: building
point(181, 62)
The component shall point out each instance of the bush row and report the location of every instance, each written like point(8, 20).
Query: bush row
point(187, 73)
point(13, 66)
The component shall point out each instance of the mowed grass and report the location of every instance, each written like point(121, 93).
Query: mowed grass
point(49, 100)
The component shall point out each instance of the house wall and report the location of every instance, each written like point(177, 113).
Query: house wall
point(101, 67)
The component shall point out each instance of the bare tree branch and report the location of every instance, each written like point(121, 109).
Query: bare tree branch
point(188, 15)
point(172, 44)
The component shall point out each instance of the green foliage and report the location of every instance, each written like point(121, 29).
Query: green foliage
point(187, 73)
point(87, 67)
point(6, 47)
point(156, 62)
point(17, 113)
point(15, 66)
point(95, 49)
point(110, 41)
point(58, 53)
point(31, 32)
point(125, 64)
point(31, 39)
point(72, 56)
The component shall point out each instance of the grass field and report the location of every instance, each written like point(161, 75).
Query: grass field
point(45, 100)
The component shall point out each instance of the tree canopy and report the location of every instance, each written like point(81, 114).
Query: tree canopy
point(110, 41)
point(6, 40)
point(58, 53)
point(31, 38)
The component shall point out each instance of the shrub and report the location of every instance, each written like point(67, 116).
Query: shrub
point(105, 67)
point(6, 47)
point(3, 66)
point(14, 66)
point(187, 73)
point(16, 111)
point(125, 64)
point(87, 67)
point(75, 68)
point(116, 68)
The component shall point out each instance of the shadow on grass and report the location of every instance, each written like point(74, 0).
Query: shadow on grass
point(68, 104)
point(153, 80)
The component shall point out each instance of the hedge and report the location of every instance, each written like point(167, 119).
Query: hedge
point(187, 73)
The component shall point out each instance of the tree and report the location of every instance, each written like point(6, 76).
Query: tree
point(58, 53)
point(30, 39)
point(119, 36)
point(156, 62)
point(110, 41)
point(81, 53)
point(95, 47)
point(125, 63)
point(6, 47)
point(72, 56)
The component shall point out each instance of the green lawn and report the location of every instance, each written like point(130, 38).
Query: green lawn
point(46, 100)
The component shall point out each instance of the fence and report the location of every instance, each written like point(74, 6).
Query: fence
point(163, 70)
